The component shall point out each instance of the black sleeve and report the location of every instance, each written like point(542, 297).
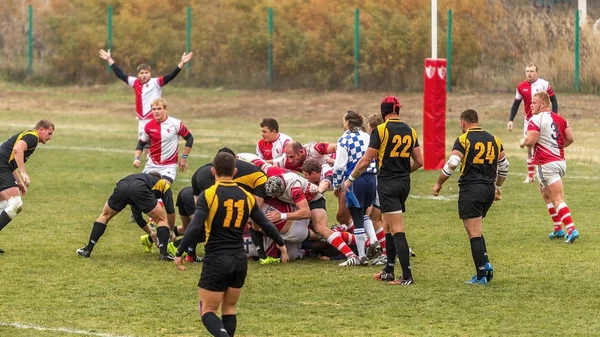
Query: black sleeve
point(189, 140)
point(514, 109)
point(195, 231)
point(169, 77)
point(554, 102)
point(267, 227)
point(119, 73)
point(168, 201)
point(140, 145)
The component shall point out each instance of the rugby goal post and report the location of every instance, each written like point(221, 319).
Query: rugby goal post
point(434, 103)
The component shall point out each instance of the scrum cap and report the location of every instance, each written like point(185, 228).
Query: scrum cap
point(274, 186)
point(390, 104)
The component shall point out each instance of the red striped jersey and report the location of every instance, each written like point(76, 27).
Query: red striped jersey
point(145, 93)
point(164, 140)
point(272, 150)
point(550, 144)
point(526, 90)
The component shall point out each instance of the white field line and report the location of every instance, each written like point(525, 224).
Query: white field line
point(100, 149)
point(432, 197)
point(65, 330)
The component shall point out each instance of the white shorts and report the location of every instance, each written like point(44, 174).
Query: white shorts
point(164, 170)
point(550, 173)
point(293, 248)
point(298, 231)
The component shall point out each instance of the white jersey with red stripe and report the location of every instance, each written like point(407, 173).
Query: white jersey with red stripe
point(550, 144)
point(526, 90)
point(297, 188)
point(164, 140)
point(272, 150)
point(145, 93)
point(314, 150)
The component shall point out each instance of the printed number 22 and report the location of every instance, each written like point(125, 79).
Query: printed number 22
point(229, 205)
point(490, 154)
point(398, 140)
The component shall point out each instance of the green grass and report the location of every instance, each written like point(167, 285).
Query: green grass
point(541, 288)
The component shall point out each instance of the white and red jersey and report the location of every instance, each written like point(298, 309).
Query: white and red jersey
point(282, 207)
point(526, 90)
point(296, 189)
point(314, 150)
point(145, 93)
point(164, 140)
point(272, 150)
point(550, 144)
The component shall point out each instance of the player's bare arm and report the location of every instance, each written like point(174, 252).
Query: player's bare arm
point(451, 165)
point(360, 167)
point(531, 139)
point(569, 137)
point(19, 152)
point(417, 159)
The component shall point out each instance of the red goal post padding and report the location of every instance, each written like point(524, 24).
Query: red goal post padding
point(434, 114)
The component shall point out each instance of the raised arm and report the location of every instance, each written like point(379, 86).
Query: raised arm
point(184, 59)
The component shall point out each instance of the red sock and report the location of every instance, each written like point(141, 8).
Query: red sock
point(380, 234)
point(348, 238)
point(350, 227)
point(555, 217)
point(530, 168)
point(336, 241)
point(565, 216)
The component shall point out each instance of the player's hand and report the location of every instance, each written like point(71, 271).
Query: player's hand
point(337, 192)
point(274, 216)
point(346, 185)
point(179, 263)
point(136, 163)
point(436, 189)
point(183, 164)
point(186, 57)
point(26, 180)
point(22, 188)
point(105, 55)
point(284, 255)
point(522, 142)
point(509, 126)
point(498, 194)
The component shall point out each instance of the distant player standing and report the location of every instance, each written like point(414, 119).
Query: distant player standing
point(525, 91)
point(272, 145)
point(549, 134)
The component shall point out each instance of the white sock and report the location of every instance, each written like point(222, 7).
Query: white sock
point(370, 230)
point(359, 234)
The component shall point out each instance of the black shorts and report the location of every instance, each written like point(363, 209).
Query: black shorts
point(393, 194)
point(474, 200)
point(134, 193)
point(220, 272)
point(318, 204)
point(7, 180)
point(185, 202)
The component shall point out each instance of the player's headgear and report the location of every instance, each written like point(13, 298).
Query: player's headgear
point(274, 186)
point(390, 104)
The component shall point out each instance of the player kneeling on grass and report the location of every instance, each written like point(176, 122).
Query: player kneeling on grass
point(221, 213)
point(483, 165)
point(140, 191)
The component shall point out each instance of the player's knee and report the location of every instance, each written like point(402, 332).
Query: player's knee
point(14, 206)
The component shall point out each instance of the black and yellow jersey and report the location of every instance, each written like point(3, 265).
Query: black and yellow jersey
point(480, 151)
point(221, 214)
point(159, 187)
point(248, 176)
point(394, 141)
point(7, 156)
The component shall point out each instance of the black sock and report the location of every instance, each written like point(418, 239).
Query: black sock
point(214, 325)
point(150, 238)
point(229, 322)
point(176, 243)
point(138, 217)
point(4, 219)
point(390, 253)
point(257, 240)
point(486, 259)
point(477, 252)
point(162, 234)
point(176, 231)
point(97, 231)
point(403, 254)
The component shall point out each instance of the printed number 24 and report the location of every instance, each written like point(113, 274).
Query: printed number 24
point(490, 153)
point(398, 140)
point(229, 205)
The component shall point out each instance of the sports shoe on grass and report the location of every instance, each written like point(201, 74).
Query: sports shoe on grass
point(383, 276)
point(167, 257)
point(1, 251)
point(196, 258)
point(269, 260)
point(557, 234)
point(528, 180)
point(83, 253)
point(171, 249)
point(475, 280)
point(379, 261)
point(572, 237)
point(410, 251)
point(351, 261)
point(401, 281)
point(489, 271)
point(145, 241)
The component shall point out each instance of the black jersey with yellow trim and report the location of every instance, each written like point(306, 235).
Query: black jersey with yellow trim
point(248, 176)
point(7, 156)
point(481, 151)
point(394, 141)
point(161, 188)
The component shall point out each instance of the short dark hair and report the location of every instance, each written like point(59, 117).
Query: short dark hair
point(143, 66)
point(355, 120)
point(311, 165)
point(226, 150)
point(270, 123)
point(224, 164)
point(469, 116)
point(44, 124)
